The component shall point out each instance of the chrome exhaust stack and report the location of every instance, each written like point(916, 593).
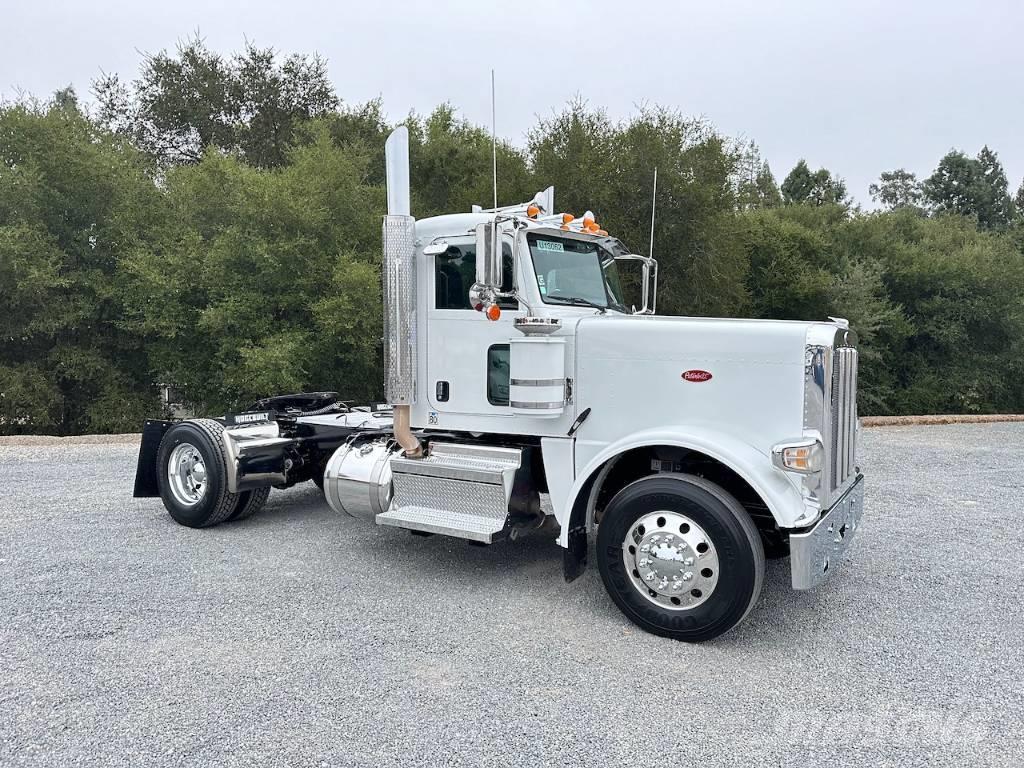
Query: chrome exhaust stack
point(399, 283)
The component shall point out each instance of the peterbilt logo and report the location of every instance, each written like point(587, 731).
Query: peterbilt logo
point(696, 376)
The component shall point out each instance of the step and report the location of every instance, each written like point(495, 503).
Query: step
point(457, 490)
point(460, 525)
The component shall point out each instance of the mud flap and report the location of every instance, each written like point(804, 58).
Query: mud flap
point(145, 472)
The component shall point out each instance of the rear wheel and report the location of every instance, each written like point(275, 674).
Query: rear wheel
point(249, 503)
point(192, 474)
point(680, 557)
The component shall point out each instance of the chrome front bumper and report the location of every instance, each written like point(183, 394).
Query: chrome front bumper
point(814, 552)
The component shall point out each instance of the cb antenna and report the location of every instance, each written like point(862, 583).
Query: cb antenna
point(654, 204)
point(494, 145)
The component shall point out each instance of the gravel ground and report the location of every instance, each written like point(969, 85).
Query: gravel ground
point(302, 638)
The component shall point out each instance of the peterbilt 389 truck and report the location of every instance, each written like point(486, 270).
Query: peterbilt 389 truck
point(523, 395)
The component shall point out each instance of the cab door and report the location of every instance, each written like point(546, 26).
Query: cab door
point(467, 355)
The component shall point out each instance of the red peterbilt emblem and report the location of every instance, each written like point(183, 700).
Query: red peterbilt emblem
point(696, 375)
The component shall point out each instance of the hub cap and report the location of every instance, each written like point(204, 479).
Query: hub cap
point(670, 560)
point(186, 474)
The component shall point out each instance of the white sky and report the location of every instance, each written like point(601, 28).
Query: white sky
point(856, 86)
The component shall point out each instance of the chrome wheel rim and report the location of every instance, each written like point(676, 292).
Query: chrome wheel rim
point(670, 560)
point(186, 474)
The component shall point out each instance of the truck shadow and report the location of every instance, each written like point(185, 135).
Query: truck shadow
point(530, 566)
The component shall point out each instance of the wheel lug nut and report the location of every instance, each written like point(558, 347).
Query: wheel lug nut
point(687, 576)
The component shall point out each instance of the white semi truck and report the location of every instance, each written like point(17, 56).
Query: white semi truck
point(523, 395)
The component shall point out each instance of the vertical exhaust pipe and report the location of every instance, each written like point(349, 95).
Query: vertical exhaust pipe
point(399, 283)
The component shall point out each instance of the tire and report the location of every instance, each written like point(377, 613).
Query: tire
point(191, 502)
point(318, 473)
point(709, 567)
point(249, 503)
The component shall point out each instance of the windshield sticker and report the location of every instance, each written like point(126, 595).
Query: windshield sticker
point(549, 245)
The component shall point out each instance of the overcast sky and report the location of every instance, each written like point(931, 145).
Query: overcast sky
point(857, 86)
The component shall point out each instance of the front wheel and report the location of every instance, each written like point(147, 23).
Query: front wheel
point(680, 557)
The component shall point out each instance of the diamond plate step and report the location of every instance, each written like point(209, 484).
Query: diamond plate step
point(461, 526)
point(457, 490)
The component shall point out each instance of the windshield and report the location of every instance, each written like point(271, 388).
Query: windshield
point(575, 272)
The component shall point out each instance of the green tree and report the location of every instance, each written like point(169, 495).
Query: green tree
point(819, 187)
point(974, 187)
point(361, 128)
point(451, 166)
point(608, 168)
point(935, 302)
point(251, 103)
point(268, 278)
point(73, 203)
point(960, 289)
point(897, 189)
point(756, 185)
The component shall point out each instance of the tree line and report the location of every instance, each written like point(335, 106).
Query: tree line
point(215, 224)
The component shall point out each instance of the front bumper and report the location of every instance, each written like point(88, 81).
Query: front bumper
point(814, 552)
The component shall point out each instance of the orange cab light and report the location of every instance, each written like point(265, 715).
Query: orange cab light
point(568, 218)
point(493, 312)
point(532, 211)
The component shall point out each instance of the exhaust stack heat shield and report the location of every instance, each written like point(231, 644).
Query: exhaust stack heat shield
point(399, 277)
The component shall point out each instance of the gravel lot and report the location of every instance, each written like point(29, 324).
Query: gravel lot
point(302, 638)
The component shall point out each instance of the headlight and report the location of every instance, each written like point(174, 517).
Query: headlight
point(805, 457)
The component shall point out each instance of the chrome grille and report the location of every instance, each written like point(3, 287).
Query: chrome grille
point(844, 416)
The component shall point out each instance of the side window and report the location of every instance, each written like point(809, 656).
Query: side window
point(455, 273)
point(498, 376)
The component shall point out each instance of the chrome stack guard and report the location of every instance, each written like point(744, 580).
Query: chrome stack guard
point(814, 552)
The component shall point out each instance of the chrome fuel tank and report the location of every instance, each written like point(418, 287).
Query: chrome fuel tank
point(357, 480)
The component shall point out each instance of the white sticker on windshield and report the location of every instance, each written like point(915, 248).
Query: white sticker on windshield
point(549, 245)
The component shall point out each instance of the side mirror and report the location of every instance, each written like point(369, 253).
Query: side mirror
point(484, 294)
point(488, 255)
point(648, 284)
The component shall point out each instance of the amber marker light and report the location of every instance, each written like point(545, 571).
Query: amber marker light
point(493, 312)
point(803, 456)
